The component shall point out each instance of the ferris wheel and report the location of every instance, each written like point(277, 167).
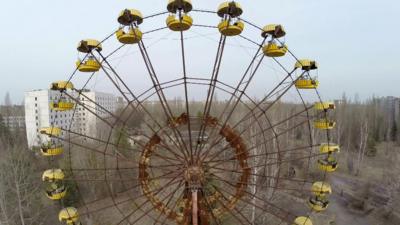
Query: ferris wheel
point(237, 135)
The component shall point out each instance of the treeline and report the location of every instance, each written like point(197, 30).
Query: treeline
point(362, 125)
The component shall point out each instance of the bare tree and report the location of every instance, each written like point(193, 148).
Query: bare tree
point(19, 189)
point(362, 145)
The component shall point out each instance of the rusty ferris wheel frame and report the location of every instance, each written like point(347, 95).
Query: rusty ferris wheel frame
point(186, 150)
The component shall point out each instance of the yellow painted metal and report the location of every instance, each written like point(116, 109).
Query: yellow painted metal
point(306, 64)
point(324, 105)
point(89, 65)
point(274, 50)
point(68, 215)
point(61, 85)
point(321, 188)
point(302, 220)
point(230, 29)
point(174, 5)
point(233, 9)
point(53, 175)
point(306, 83)
point(329, 148)
point(51, 151)
point(55, 191)
point(275, 30)
point(61, 106)
point(318, 204)
point(51, 131)
point(128, 16)
point(87, 45)
point(329, 165)
point(324, 124)
point(176, 24)
point(133, 36)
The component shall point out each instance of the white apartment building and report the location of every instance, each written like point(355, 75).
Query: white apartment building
point(98, 103)
point(13, 116)
point(38, 113)
point(14, 122)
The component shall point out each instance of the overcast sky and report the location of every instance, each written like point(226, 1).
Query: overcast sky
point(357, 42)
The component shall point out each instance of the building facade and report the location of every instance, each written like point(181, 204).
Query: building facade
point(81, 119)
point(14, 122)
point(13, 116)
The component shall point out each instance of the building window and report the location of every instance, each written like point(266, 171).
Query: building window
point(35, 98)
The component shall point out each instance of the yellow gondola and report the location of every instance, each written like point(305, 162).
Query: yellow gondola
point(61, 85)
point(324, 124)
point(306, 64)
point(89, 65)
point(174, 5)
point(69, 216)
point(53, 175)
point(321, 188)
point(51, 150)
point(51, 131)
point(232, 9)
point(324, 106)
point(329, 148)
point(61, 105)
point(55, 191)
point(129, 16)
point(275, 30)
point(302, 220)
point(175, 23)
point(306, 83)
point(86, 46)
point(274, 50)
point(329, 165)
point(133, 36)
point(230, 29)
point(318, 204)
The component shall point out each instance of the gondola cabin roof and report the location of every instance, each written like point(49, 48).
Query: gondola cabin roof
point(51, 131)
point(324, 106)
point(329, 148)
point(274, 30)
point(68, 215)
point(53, 175)
point(232, 9)
point(174, 5)
point(302, 220)
point(61, 85)
point(87, 45)
point(321, 188)
point(306, 64)
point(128, 16)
